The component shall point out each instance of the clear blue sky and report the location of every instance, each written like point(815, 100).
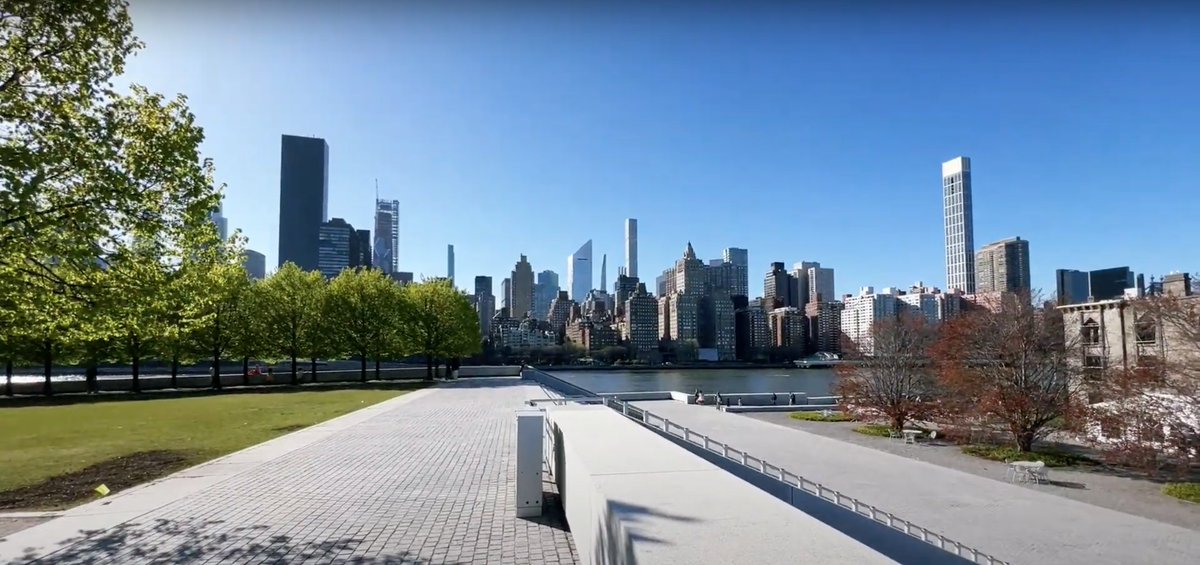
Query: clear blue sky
point(800, 131)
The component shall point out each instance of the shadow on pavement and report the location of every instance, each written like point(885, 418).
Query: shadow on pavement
point(168, 541)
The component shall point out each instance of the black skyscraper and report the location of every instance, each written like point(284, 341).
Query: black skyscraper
point(303, 198)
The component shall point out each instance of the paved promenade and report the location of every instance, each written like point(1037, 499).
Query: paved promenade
point(424, 478)
point(1012, 523)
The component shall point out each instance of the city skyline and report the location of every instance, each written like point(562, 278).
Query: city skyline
point(691, 176)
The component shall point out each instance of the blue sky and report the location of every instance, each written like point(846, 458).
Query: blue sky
point(801, 131)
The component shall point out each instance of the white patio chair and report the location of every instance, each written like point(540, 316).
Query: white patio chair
point(1039, 473)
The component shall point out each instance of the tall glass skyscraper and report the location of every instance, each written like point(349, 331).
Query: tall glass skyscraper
point(579, 272)
point(387, 234)
point(960, 227)
point(303, 199)
point(631, 267)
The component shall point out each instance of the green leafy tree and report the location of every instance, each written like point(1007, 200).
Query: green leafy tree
point(218, 290)
point(82, 166)
point(291, 310)
point(175, 344)
point(363, 307)
point(437, 321)
point(135, 304)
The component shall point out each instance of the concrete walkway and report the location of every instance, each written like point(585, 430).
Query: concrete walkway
point(1016, 524)
point(424, 478)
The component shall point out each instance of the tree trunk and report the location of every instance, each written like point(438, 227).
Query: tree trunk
point(295, 378)
point(48, 360)
point(898, 423)
point(135, 351)
point(313, 368)
point(437, 366)
point(362, 368)
point(428, 367)
point(175, 370)
point(376, 367)
point(245, 371)
point(1025, 442)
point(8, 370)
point(216, 369)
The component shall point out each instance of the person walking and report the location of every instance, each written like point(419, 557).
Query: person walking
point(773, 399)
point(718, 399)
point(792, 399)
point(699, 397)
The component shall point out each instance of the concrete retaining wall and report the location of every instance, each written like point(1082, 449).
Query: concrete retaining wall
point(194, 381)
point(632, 497)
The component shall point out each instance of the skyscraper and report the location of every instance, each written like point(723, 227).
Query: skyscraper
point(820, 284)
point(779, 288)
point(960, 227)
point(387, 234)
point(506, 294)
point(485, 304)
point(1003, 266)
point(631, 268)
point(800, 276)
point(220, 222)
point(336, 241)
point(579, 272)
point(604, 272)
point(544, 292)
point(255, 264)
point(521, 287)
point(303, 199)
point(739, 259)
point(450, 263)
point(360, 249)
point(1071, 286)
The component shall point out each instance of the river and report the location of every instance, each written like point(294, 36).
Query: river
point(814, 382)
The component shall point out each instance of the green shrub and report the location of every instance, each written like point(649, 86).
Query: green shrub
point(1053, 458)
point(820, 417)
point(1183, 491)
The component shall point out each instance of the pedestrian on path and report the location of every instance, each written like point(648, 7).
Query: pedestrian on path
point(699, 397)
point(718, 399)
point(792, 399)
point(773, 399)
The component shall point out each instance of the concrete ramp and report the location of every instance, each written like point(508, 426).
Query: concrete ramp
point(632, 496)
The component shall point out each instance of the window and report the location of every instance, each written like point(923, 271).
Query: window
point(1090, 332)
point(1146, 329)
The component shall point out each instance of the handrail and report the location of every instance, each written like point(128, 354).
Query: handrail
point(778, 473)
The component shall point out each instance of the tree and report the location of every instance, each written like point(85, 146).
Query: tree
point(82, 167)
point(1010, 365)
point(134, 305)
point(895, 379)
point(217, 289)
point(437, 321)
point(363, 308)
point(290, 313)
point(175, 344)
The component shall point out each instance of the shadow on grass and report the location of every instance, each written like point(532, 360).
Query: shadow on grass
point(187, 541)
point(68, 399)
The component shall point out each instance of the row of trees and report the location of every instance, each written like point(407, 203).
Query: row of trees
point(106, 248)
point(1014, 369)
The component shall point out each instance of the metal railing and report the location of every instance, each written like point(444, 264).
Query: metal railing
point(814, 488)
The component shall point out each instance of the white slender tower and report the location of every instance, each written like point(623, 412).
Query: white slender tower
point(960, 227)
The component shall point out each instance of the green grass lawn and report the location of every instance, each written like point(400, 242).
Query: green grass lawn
point(819, 417)
point(52, 456)
point(1183, 491)
point(1053, 458)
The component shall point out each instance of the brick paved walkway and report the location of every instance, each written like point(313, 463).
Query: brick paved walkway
point(1016, 524)
point(429, 481)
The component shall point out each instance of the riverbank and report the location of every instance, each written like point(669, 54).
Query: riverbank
point(697, 366)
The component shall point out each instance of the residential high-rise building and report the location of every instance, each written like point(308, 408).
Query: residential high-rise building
point(483, 284)
point(824, 326)
point(779, 288)
point(303, 199)
point(959, 225)
point(387, 235)
point(506, 294)
point(334, 249)
point(544, 292)
point(485, 304)
point(360, 250)
point(641, 322)
point(690, 275)
point(685, 317)
point(521, 301)
point(560, 312)
point(664, 317)
point(739, 259)
point(579, 272)
point(631, 247)
point(402, 277)
point(1003, 266)
point(604, 272)
point(759, 326)
point(789, 329)
point(626, 285)
point(1071, 286)
point(255, 264)
point(861, 313)
point(800, 274)
point(450, 263)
